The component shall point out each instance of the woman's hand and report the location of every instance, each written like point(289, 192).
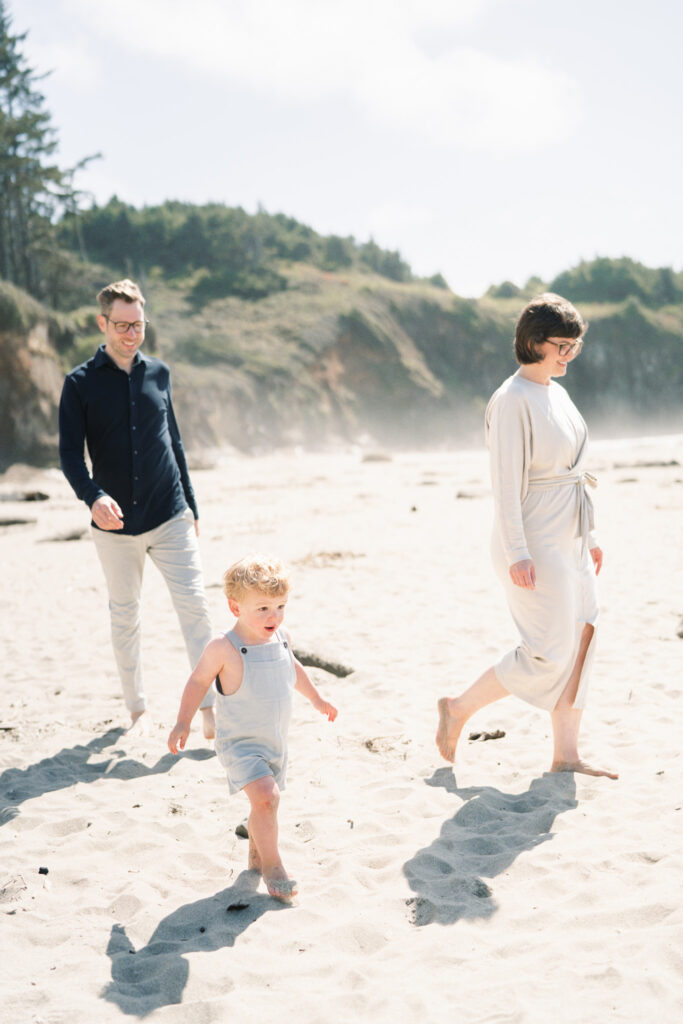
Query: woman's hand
point(596, 555)
point(523, 574)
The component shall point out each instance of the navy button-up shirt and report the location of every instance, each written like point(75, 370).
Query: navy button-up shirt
point(128, 424)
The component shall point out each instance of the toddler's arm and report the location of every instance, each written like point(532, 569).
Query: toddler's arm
point(305, 687)
point(207, 668)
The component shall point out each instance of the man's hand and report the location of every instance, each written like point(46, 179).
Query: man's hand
point(196, 526)
point(523, 574)
point(106, 513)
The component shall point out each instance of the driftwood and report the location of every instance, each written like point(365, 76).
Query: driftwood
point(314, 661)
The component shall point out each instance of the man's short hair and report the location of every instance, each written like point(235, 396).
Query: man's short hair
point(126, 290)
point(262, 573)
point(546, 316)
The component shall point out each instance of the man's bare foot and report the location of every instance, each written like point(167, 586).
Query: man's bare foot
point(280, 886)
point(450, 727)
point(254, 861)
point(582, 769)
point(208, 723)
point(140, 723)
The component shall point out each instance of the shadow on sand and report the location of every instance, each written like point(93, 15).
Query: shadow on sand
point(146, 979)
point(481, 841)
point(72, 765)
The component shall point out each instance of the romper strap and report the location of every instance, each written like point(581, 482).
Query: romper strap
point(232, 636)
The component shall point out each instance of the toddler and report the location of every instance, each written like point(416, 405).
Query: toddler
point(255, 672)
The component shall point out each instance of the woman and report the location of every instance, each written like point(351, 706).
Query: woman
point(543, 546)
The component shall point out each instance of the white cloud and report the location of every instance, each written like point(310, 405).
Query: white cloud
point(364, 52)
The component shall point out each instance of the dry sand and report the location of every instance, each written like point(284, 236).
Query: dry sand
point(493, 893)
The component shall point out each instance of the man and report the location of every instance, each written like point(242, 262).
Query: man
point(140, 495)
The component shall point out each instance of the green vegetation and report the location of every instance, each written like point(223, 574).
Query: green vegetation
point(34, 192)
point(607, 280)
point(229, 251)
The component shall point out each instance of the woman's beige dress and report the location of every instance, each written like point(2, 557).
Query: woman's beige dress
point(537, 441)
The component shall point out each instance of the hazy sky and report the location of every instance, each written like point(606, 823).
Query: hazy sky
point(486, 139)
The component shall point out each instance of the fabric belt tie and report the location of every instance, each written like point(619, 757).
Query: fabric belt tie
point(581, 481)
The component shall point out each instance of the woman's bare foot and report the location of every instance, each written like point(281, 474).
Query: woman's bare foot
point(140, 723)
point(254, 861)
point(582, 768)
point(280, 886)
point(208, 723)
point(450, 727)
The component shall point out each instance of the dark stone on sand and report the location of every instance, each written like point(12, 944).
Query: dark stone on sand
point(314, 661)
point(241, 831)
point(647, 465)
point(69, 535)
point(43, 871)
point(34, 496)
point(25, 496)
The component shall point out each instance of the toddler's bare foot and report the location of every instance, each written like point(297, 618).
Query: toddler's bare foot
point(208, 723)
point(140, 723)
point(582, 768)
point(254, 861)
point(280, 886)
point(450, 727)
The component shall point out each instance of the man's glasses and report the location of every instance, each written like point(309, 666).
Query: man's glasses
point(123, 326)
point(565, 348)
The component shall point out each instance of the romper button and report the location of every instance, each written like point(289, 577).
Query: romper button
point(243, 650)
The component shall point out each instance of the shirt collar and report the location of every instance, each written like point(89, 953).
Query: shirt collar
point(103, 359)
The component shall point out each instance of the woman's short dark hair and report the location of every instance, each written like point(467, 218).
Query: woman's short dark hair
point(546, 316)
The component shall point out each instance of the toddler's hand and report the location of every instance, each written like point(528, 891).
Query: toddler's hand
point(325, 708)
point(177, 738)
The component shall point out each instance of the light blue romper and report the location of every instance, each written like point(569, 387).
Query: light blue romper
point(252, 724)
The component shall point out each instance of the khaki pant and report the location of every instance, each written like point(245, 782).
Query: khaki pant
point(174, 549)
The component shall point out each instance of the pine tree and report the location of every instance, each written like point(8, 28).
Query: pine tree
point(33, 190)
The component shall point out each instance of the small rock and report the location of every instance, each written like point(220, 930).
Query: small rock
point(242, 831)
point(43, 871)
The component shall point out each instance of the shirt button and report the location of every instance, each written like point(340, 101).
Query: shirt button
point(135, 453)
point(135, 502)
point(133, 428)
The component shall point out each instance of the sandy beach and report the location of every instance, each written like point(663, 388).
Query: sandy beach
point(488, 893)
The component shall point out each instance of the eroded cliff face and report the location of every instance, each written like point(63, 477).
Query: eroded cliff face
point(30, 385)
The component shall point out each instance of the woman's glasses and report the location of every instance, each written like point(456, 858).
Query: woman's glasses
point(566, 348)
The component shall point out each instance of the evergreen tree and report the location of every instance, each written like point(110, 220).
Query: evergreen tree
point(33, 190)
